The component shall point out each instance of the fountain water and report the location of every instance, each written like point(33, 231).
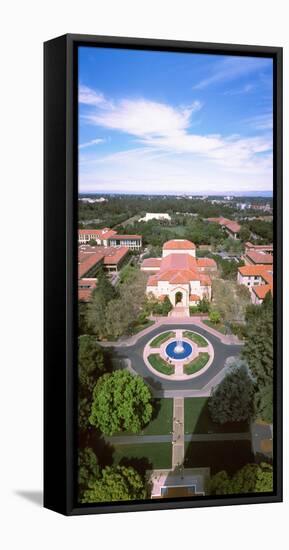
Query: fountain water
point(179, 348)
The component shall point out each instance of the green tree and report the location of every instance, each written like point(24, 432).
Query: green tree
point(244, 234)
point(122, 312)
point(232, 399)
point(96, 315)
point(121, 402)
point(104, 286)
point(88, 469)
point(83, 326)
point(258, 348)
point(90, 361)
point(115, 484)
point(252, 478)
point(83, 413)
point(204, 305)
point(214, 317)
point(231, 300)
point(264, 403)
point(220, 484)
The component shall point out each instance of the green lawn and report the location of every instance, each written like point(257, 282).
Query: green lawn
point(158, 363)
point(219, 326)
point(162, 421)
point(161, 338)
point(198, 421)
point(218, 455)
point(197, 364)
point(144, 456)
point(196, 338)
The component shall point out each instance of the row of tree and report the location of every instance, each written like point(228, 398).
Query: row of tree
point(247, 389)
point(252, 478)
point(112, 311)
point(109, 402)
point(109, 483)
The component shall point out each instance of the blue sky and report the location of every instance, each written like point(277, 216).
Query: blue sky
point(162, 122)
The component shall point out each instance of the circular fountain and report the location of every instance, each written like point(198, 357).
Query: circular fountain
point(179, 347)
point(178, 350)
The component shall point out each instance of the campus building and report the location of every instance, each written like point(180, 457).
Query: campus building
point(258, 254)
point(232, 228)
point(109, 237)
point(179, 275)
point(258, 279)
point(90, 260)
point(155, 216)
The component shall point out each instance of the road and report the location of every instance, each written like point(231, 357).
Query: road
point(134, 353)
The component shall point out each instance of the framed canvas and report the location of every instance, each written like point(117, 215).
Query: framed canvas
point(163, 274)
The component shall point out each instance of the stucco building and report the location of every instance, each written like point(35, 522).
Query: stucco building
point(155, 216)
point(179, 275)
point(258, 279)
point(109, 237)
point(258, 254)
point(93, 258)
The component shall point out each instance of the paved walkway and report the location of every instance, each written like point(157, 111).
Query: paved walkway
point(159, 321)
point(178, 453)
point(170, 438)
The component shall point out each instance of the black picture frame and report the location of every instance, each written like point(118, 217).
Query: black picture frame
point(60, 271)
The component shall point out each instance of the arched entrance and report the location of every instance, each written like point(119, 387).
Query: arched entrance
point(178, 298)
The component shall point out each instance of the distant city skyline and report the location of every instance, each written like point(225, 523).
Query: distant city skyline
point(174, 123)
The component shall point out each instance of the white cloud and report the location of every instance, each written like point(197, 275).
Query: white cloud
point(231, 68)
point(146, 170)
point(91, 143)
point(142, 118)
point(168, 150)
point(88, 96)
point(261, 122)
point(240, 91)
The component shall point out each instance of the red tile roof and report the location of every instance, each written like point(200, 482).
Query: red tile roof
point(96, 232)
point(151, 262)
point(194, 298)
point(104, 233)
point(259, 247)
point(179, 244)
point(260, 258)
point(205, 280)
point(234, 227)
point(112, 256)
point(231, 225)
point(180, 268)
point(178, 261)
point(252, 270)
point(84, 294)
point(152, 281)
point(206, 262)
point(125, 237)
point(87, 260)
point(261, 290)
point(89, 256)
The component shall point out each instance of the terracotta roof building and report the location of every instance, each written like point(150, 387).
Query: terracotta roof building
point(109, 237)
point(232, 228)
point(93, 258)
point(258, 254)
point(259, 280)
point(179, 274)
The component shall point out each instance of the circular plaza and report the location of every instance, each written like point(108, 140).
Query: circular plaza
point(134, 352)
point(178, 354)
